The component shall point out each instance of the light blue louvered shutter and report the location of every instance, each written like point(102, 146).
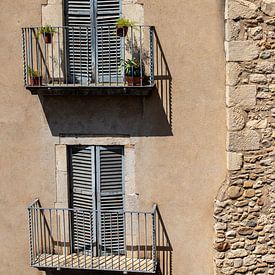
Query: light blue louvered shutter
point(110, 194)
point(79, 40)
point(108, 44)
point(82, 196)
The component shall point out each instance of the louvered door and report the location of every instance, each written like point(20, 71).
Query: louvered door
point(94, 50)
point(110, 193)
point(97, 197)
point(82, 197)
point(108, 43)
point(79, 41)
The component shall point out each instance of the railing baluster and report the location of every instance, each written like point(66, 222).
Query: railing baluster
point(64, 237)
point(104, 230)
point(80, 53)
point(152, 56)
point(51, 236)
point(124, 56)
point(146, 242)
point(59, 56)
point(34, 240)
point(111, 236)
point(91, 237)
point(51, 35)
point(77, 237)
point(73, 58)
point(65, 36)
point(132, 54)
point(57, 236)
point(71, 217)
point(41, 234)
point(138, 242)
point(109, 36)
point(132, 240)
point(125, 239)
point(118, 238)
point(38, 235)
point(140, 56)
point(30, 234)
point(102, 55)
point(44, 236)
point(117, 66)
point(84, 236)
point(154, 237)
point(24, 56)
point(95, 55)
point(88, 57)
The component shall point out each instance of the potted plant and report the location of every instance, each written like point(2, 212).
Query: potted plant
point(47, 31)
point(122, 25)
point(133, 71)
point(35, 77)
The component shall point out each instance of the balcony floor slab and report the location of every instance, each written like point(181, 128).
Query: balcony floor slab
point(91, 90)
point(88, 262)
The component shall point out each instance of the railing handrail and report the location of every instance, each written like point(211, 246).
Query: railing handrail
point(31, 205)
point(88, 211)
point(94, 27)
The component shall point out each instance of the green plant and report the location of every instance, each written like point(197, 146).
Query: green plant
point(131, 67)
point(32, 72)
point(124, 22)
point(47, 29)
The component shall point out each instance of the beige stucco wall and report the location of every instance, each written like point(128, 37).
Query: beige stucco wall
point(180, 170)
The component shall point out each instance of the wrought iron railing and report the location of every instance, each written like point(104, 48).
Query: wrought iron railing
point(88, 57)
point(92, 240)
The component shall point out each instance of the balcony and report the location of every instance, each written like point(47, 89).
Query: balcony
point(64, 238)
point(88, 61)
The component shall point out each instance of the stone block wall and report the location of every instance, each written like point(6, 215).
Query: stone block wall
point(245, 206)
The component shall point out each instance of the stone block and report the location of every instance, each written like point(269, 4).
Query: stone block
point(243, 96)
point(240, 9)
point(232, 30)
point(234, 192)
point(233, 71)
point(241, 50)
point(268, 7)
point(61, 157)
point(234, 161)
point(238, 253)
point(236, 118)
point(52, 14)
point(269, 258)
point(250, 260)
point(62, 187)
point(257, 124)
point(265, 66)
point(244, 140)
point(258, 78)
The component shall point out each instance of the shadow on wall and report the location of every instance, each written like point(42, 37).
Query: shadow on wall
point(164, 247)
point(115, 115)
point(163, 79)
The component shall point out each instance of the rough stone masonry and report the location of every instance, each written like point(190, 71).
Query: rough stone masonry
point(244, 210)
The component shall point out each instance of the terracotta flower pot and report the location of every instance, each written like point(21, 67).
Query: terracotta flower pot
point(48, 38)
point(121, 31)
point(134, 80)
point(35, 80)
